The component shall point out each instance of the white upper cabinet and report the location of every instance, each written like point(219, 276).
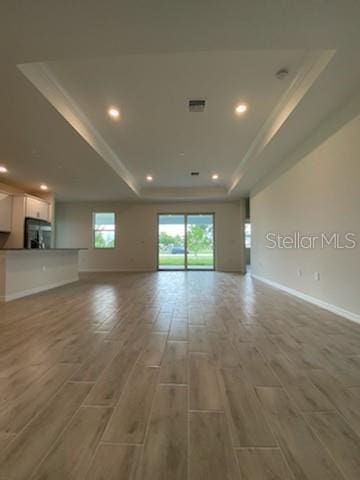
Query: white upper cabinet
point(6, 203)
point(37, 208)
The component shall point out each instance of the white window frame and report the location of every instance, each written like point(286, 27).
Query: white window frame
point(94, 230)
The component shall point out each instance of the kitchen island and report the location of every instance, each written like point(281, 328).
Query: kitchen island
point(27, 271)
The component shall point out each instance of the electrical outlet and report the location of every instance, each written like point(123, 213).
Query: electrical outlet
point(299, 272)
point(317, 276)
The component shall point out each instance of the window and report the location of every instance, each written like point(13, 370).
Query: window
point(247, 235)
point(104, 230)
point(186, 241)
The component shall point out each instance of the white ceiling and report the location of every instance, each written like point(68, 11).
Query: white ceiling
point(64, 65)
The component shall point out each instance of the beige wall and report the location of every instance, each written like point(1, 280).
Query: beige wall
point(319, 194)
point(9, 188)
point(136, 247)
point(24, 272)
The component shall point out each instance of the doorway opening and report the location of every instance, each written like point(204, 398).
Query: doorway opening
point(248, 244)
point(247, 235)
point(186, 241)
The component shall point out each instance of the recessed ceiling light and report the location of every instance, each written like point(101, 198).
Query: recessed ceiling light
point(113, 112)
point(215, 176)
point(3, 169)
point(43, 186)
point(149, 178)
point(241, 108)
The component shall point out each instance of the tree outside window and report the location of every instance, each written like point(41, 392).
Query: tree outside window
point(199, 238)
point(104, 229)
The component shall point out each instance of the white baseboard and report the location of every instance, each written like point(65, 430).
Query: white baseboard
point(239, 272)
point(229, 270)
point(32, 291)
point(308, 298)
point(115, 270)
point(139, 270)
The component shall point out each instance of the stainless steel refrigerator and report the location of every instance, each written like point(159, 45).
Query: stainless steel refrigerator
point(37, 233)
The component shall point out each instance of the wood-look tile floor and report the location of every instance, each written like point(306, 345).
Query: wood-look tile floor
point(175, 375)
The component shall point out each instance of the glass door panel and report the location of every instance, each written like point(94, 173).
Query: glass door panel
point(171, 243)
point(200, 241)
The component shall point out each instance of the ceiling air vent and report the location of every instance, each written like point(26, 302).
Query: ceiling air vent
point(196, 106)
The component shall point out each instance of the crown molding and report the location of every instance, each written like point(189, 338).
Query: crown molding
point(43, 79)
point(325, 129)
point(313, 64)
point(41, 76)
point(184, 193)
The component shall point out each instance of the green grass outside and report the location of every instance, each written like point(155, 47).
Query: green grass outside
point(178, 260)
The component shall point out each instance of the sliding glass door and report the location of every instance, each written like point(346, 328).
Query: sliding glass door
point(171, 242)
point(186, 241)
point(200, 241)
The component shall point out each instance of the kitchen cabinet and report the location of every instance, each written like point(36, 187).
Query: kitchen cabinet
point(37, 208)
point(6, 203)
point(24, 205)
